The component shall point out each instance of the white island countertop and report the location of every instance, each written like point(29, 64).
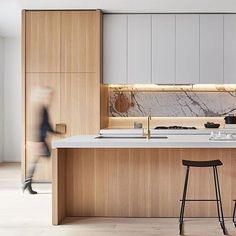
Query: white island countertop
point(172, 141)
point(198, 131)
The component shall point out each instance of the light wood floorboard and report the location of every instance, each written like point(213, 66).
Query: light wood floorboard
point(28, 215)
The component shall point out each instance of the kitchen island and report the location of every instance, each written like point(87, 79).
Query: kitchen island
point(136, 177)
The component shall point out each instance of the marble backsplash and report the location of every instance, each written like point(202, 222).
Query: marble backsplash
point(171, 104)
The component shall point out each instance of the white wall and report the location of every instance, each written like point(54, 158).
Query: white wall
point(134, 5)
point(1, 96)
point(12, 100)
point(10, 10)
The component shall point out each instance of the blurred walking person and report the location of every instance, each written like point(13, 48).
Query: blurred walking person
point(40, 127)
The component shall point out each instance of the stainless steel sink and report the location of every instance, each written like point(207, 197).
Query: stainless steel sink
point(129, 137)
point(120, 137)
point(159, 137)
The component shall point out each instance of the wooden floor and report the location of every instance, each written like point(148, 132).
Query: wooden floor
point(28, 215)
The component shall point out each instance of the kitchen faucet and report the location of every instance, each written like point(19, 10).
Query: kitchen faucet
point(148, 127)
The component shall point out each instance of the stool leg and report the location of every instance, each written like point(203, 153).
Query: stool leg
point(181, 217)
point(217, 199)
point(219, 202)
point(234, 214)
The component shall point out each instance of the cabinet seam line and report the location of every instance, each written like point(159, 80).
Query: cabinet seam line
point(175, 50)
point(151, 50)
point(223, 48)
point(127, 46)
point(199, 77)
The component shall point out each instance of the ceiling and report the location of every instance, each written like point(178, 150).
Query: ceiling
point(10, 10)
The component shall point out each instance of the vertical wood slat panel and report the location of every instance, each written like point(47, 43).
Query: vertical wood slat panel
point(83, 188)
point(23, 70)
point(80, 103)
point(59, 189)
point(80, 44)
point(104, 106)
point(42, 41)
point(145, 182)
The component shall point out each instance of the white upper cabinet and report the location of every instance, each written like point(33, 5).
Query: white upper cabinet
point(187, 49)
point(115, 49)
point(169, 49)
point(163, 49)
point(139, 49)
point(211, 49)
point(230, 48)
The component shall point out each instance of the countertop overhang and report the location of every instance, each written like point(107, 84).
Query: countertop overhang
point(173, 141)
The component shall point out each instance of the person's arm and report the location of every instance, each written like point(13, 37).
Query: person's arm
point(48, 125)
point(49, 128)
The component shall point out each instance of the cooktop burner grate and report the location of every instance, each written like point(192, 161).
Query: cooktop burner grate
point(175, 127)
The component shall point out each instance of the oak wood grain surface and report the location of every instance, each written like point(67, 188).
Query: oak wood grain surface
point(55, 46)
point(42, 41)
point(80, 103)
point(144, 182)
point(80, 44)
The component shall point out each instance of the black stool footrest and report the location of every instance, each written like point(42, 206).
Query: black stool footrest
point(200, 200)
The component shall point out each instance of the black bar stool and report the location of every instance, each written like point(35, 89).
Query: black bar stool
point(213, 164)
point(234, 213)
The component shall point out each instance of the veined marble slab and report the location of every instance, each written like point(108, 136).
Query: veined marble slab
point(171, 104)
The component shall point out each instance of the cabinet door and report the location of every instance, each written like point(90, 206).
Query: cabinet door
point(230, 48)
point(80, 103)
point(211, 49)
point(139, 49)
point(115, 49)
point(163, 49)
point(42, 41)
point(80, 44)
point(187, 49)
point(33, 81)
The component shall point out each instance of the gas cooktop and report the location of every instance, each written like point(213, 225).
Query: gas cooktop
point(175, 127)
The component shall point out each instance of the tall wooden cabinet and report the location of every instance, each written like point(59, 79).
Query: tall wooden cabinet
point(61, 49)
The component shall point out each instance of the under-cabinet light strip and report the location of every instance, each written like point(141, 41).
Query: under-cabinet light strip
point(185, 87)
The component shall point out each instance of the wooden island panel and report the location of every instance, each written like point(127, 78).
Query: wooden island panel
point(140, 182)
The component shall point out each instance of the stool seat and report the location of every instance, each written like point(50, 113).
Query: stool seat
point(202, 163)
